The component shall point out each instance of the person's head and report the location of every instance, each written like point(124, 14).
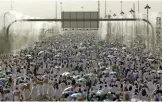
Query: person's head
point(125, 89)
point(100, 87)
point(130, 88)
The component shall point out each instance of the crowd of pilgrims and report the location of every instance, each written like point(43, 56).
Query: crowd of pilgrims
point(79, 66)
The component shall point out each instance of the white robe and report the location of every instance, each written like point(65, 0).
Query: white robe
point(1, 97)
point(144, 98)
point(58, 94)
point(34, 93)
point(9, 97)
point(45, 88)
point(151, 87)
point(16, 97)
point(51, 91)
point(40, 89)
point(26, 94)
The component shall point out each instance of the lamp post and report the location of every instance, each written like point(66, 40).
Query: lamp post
point(137, 22)
point(122, 17)
point(11, 5)
point(138, 6)
point(61, 12)
point(121, 6)
point(82, 8)
point(147, 7)
point(132, 13)
point(56, 8)
point(61, 6)
point(114, 15)
point(4, 18)
point(99, 8)
point(105, 10)
point(122, 13)
point(83, 15)
point(145, 16)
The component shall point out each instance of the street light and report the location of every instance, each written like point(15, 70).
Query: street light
point(147, 7)
point(56, 11)
point(82, 8)
point(99, 8)
point(61, 6)
point(114, 15)
point(132, 12)
point(83, 15)
point(116, 27)
point(4, 18)
point(105, 10)
point(138, 6)
point(144, 17)
point(11, 5)
point(121, 5)
point(122, 13)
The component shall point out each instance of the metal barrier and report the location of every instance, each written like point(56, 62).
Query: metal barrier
point(59, 20)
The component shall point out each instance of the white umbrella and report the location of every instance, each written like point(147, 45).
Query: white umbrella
point(40, 52)
point(110, 56)
point(123, 48)
point(57, 67)
point(159, 71)
point(28, 56)
point(45, 76)
point(106, 71)
point(65, 74)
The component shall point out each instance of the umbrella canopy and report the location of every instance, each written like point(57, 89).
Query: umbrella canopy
point(153, 71)
point(82, 80)
point(110, 56)
point(67, 92)
point(159, 71)
point(21, 79)
point(123, 48)
point(100, 93)
point(113, 73)
point(77, 68)
point(4, 79)
point(65, 74)
point(28, 55)
point(68, 89)
point(113, 49)
point(2, 84)
point(40, 52)
point(106, 71)
point(76, 95)
point(90, 75)
point(57, 67)
point(45, 76)
point(7, 73)
point(76, 76)
point(2, 75)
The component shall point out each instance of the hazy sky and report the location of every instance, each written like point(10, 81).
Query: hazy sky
point(46, 8)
